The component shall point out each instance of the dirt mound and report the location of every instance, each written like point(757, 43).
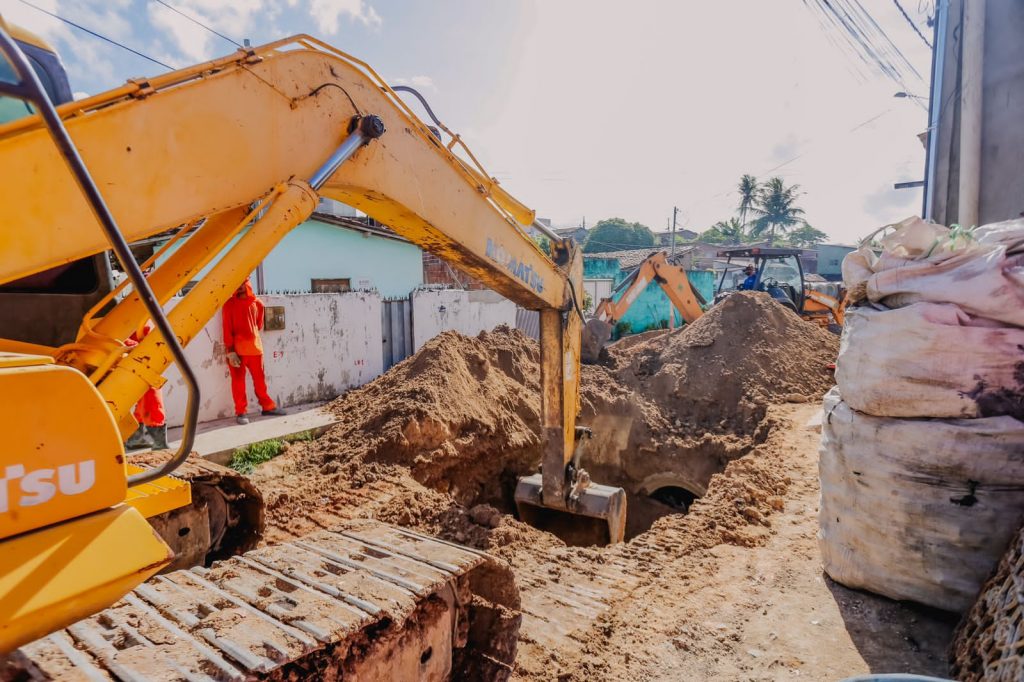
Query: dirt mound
point(718, 373)
point(457, 413)
point(453, 425)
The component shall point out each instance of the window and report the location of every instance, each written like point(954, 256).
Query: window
point(834, 262)
point(331, 286)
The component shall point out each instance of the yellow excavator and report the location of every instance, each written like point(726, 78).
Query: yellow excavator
point(227, 156)
point(655, 268)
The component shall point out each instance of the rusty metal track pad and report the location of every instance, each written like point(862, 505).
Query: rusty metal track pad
point(250, 615)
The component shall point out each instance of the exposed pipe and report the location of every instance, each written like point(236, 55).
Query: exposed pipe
point(971, 77)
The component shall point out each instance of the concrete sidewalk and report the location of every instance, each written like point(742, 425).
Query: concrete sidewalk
point(217, 440)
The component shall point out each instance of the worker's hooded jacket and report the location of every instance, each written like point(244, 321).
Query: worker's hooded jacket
point(243, 320)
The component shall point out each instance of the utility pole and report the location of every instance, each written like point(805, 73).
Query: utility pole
point(671, 310)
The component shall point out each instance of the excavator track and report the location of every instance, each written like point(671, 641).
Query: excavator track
point(226, 516)
point(366, 601)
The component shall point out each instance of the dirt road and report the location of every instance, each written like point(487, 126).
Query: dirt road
point(767, 612)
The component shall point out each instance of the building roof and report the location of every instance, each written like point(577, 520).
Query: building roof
point(568, 231)
point(630, 258)
point(360, 224)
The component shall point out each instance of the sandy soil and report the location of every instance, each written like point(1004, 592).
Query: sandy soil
point(732, 589)
point(761, 612)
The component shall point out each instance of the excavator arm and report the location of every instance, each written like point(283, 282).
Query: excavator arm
point(232, 154)
point(819, 304)
point(655, 268)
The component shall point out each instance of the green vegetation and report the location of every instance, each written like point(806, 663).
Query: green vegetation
point(806, 237)
point(544, 243)
point(729, 231)
point(245, 459)
point(775, 213)
point(615, 234)
point(775, 209)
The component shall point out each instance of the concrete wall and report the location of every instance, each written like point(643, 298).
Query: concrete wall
point(830, 260)
point(331, 342)
point(319, 250)
point(470, 312)
point(1002, 143)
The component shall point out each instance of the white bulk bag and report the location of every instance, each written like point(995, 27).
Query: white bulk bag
point(917, 509)
point(982, 270)
point(930, 360)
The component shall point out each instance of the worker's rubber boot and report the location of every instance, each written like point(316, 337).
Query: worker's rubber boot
point(159, 436)
point(138, 440)
point(276, 412)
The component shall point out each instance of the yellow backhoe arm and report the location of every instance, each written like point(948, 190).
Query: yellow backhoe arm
point(816, 302)
point(655, 268)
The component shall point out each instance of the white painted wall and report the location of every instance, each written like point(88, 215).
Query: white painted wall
point(470, 312)
point(331, 342)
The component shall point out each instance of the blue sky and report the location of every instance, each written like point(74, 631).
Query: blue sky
point(588, 108)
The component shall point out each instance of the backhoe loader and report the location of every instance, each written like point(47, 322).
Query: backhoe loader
point(655, 268)
point(228, 156)
point(779, 273)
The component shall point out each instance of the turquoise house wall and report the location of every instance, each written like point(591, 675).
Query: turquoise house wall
point(651, 308)
point(322, 251)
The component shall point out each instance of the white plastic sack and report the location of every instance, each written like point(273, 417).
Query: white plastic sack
point(919, 510)
point(982, 270)
point(930, 360)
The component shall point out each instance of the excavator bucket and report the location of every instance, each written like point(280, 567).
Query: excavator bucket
point(596, 334)
point(594, 514)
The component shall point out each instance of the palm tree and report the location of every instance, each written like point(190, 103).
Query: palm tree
point(748, 196)
point(732, 230)
point(775, 209)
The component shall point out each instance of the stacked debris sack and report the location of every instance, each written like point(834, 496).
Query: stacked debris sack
point(922, 449)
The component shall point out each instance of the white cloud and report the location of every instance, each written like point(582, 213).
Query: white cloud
point(422, 82)
point(192, 41)
point(78, 94)
point(328, 12)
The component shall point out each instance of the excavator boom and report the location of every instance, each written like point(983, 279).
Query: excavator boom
point(227, 156)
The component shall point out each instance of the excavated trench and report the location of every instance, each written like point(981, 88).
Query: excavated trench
point(454, 426)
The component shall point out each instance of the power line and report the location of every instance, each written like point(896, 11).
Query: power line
point(198, 23)
point(911, 22)
point(94, 33)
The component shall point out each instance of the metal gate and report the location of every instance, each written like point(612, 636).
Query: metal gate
point(396, 330)
point(528, 322)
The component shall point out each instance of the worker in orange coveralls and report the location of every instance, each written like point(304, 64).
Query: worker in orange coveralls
point(149, 411)
point(243, 320)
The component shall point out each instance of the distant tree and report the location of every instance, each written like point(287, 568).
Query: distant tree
point(544, 243)
point(775, 209)
point(713, 235)
point(806, 237)
point(615, 234)
point(733, 230)
point(748, 189)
